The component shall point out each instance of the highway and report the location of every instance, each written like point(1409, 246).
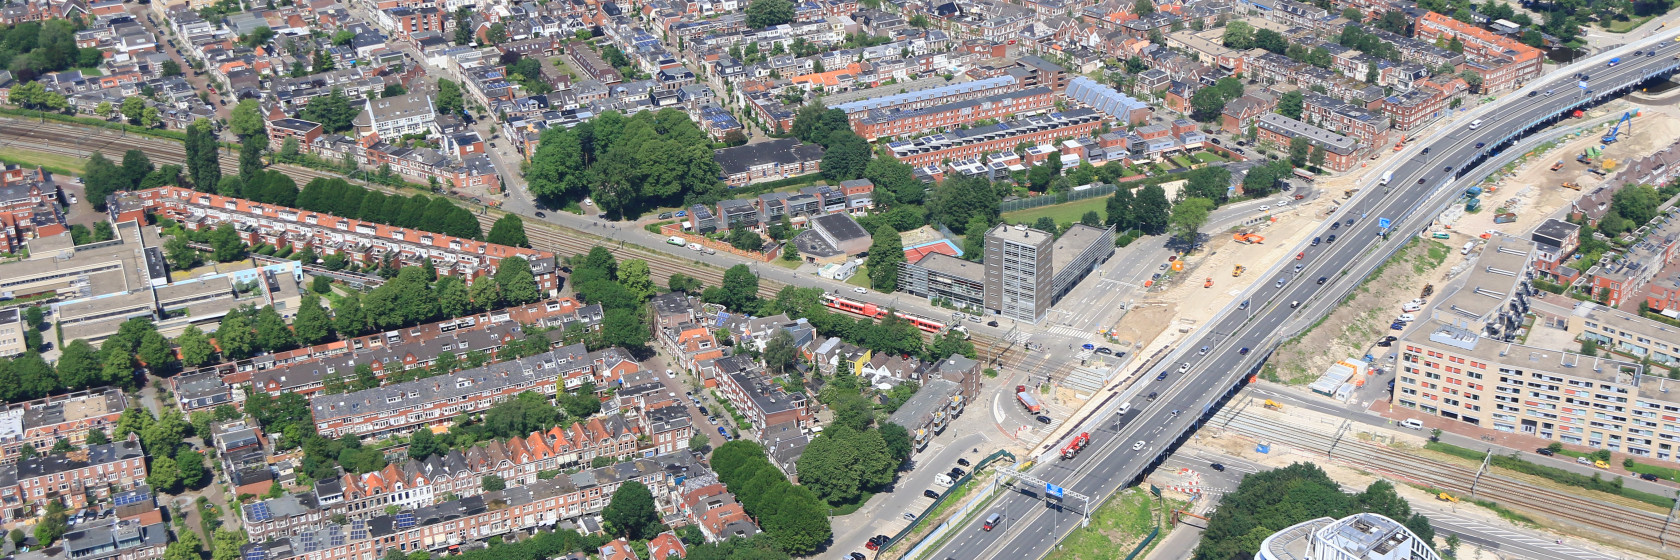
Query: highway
point(1198, 380)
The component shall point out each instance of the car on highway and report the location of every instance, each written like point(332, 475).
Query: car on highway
point(1280, 283)
point(1420, 181)
point(1203, 351)
point(928, 493)
point(1426, 151)
point(1322, 279)
point(1184, 368)
point(1299, 256)
point(1447, 169)
point(1217, 467)
point(1138, 445)
point(1331, 239)
point(1298, 267)
point(1334, 225)
point(1480, 144)
point(1243, 351)
point(962, 461)
point(1162, 376)
point(1315, 241)
point(1533, 93)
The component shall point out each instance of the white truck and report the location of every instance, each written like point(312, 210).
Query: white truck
point(1385, 178)
point(674, 240)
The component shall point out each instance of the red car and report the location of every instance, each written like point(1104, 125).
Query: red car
point(1299, 255)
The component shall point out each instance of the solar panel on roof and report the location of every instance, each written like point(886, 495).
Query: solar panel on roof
point(256, 553)
point(259, 512)
point(127, 498)
point(338, 539)
point(405, 520)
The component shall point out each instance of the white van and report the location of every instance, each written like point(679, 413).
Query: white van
point(1412, 423)
point(1124, 408)
point(1467, 247)
point(1475, 123)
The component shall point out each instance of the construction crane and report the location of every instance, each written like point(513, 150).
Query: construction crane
point(1616, 129)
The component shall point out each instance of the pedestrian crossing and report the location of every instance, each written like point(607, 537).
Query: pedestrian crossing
point(1479, 528)
point(1064, 330)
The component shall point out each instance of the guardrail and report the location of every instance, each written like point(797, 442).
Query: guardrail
point(959, 515)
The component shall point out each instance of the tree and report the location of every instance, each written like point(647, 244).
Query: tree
point(225, 244)
point(631, 512)
point(195, 347)
point(518, 285)
point(847, 154)
point(885, 253)
point(132, 108)
point(250, 160)
point(1150, 210)
point(1290, 104)
point(1299, 148)
point(1270, 40)
point(449, 100)
point(185, 547)
point(698, 442)
point(765, 13)
point(509, 230)
point(79, 366)
point(135, 167)
point(1316, 159)
point(53, 525)
point(246, 120)
point(740, 289)
point(780, 352)
point(159, 356)
point(1239, 35)
point(423, 444)
point(312, 324)
point(745, 239)
point(203, 162)
point(170, 68)
point(492, 483)
point(165, 476)
point(224, 544)
point(1188, 216)
point(190, 465)
point(1143, 8)
point(102, 178)
point(496, 34)
point(897, 440)
point(842, 462)
point(463, 25)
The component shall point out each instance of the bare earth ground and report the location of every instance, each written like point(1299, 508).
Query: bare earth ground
point(1357, 324)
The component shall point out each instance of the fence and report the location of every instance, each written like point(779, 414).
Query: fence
point(956, 517)
point(1058, 198)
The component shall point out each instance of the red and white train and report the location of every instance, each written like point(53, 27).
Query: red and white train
point(876, 312)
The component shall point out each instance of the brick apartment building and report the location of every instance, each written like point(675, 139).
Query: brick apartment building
point(960, 144)
point(42, 422)
point(28, 206)
point(362, 242)
point(1504, 63)
point(1554, 241)
point(745, 384)
point(1626, 276)
point(884, 123)
point(1346, 119)
point(76, 478)
point(1341, 153)
point(404, 406)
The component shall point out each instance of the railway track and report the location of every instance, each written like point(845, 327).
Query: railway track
point(81, 142)
point(1601, 515)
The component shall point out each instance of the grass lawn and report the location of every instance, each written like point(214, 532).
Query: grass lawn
point(1182, 161)
point(861, 279)
point(1061, 213)
point(58, 163)
point(1208, 157)
point(787, 264)
point(849, 507)
point(1626, 26)
point(1162, 168)
point(1116, 528)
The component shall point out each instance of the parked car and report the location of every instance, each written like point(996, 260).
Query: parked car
point(962, 461)
point(1545, 451)
point(703, 411)
point(665, 216)
point(1648, 476)
point(1104, 350)
point(957, 472)
point(928, 493)
point(725, 434)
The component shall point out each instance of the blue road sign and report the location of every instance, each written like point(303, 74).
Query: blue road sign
point(1053, 490)
point(1383, 223)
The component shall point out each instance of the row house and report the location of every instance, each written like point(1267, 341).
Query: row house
point(404, 22)
point(885, 123)
point(365, 242)
point(1418, 51)
point(416, 484)
point(41, 423)
point(242, 373)
point(708, 504)
point(1346, 119)
point(959, 144)
point(117, 539)
point(1289, 13)
point(691, 344)
point(402, 407)
point(1414, 109)
point(449, 525)
point(775, 159)
point(74, 479)
point(1624, 278)
point(932, 97)
point(385, 353)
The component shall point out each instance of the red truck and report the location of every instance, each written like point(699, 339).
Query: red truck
point(1073, 447)
point(1027, 401)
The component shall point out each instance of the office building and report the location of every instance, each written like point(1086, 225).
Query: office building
point(1017, 266)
